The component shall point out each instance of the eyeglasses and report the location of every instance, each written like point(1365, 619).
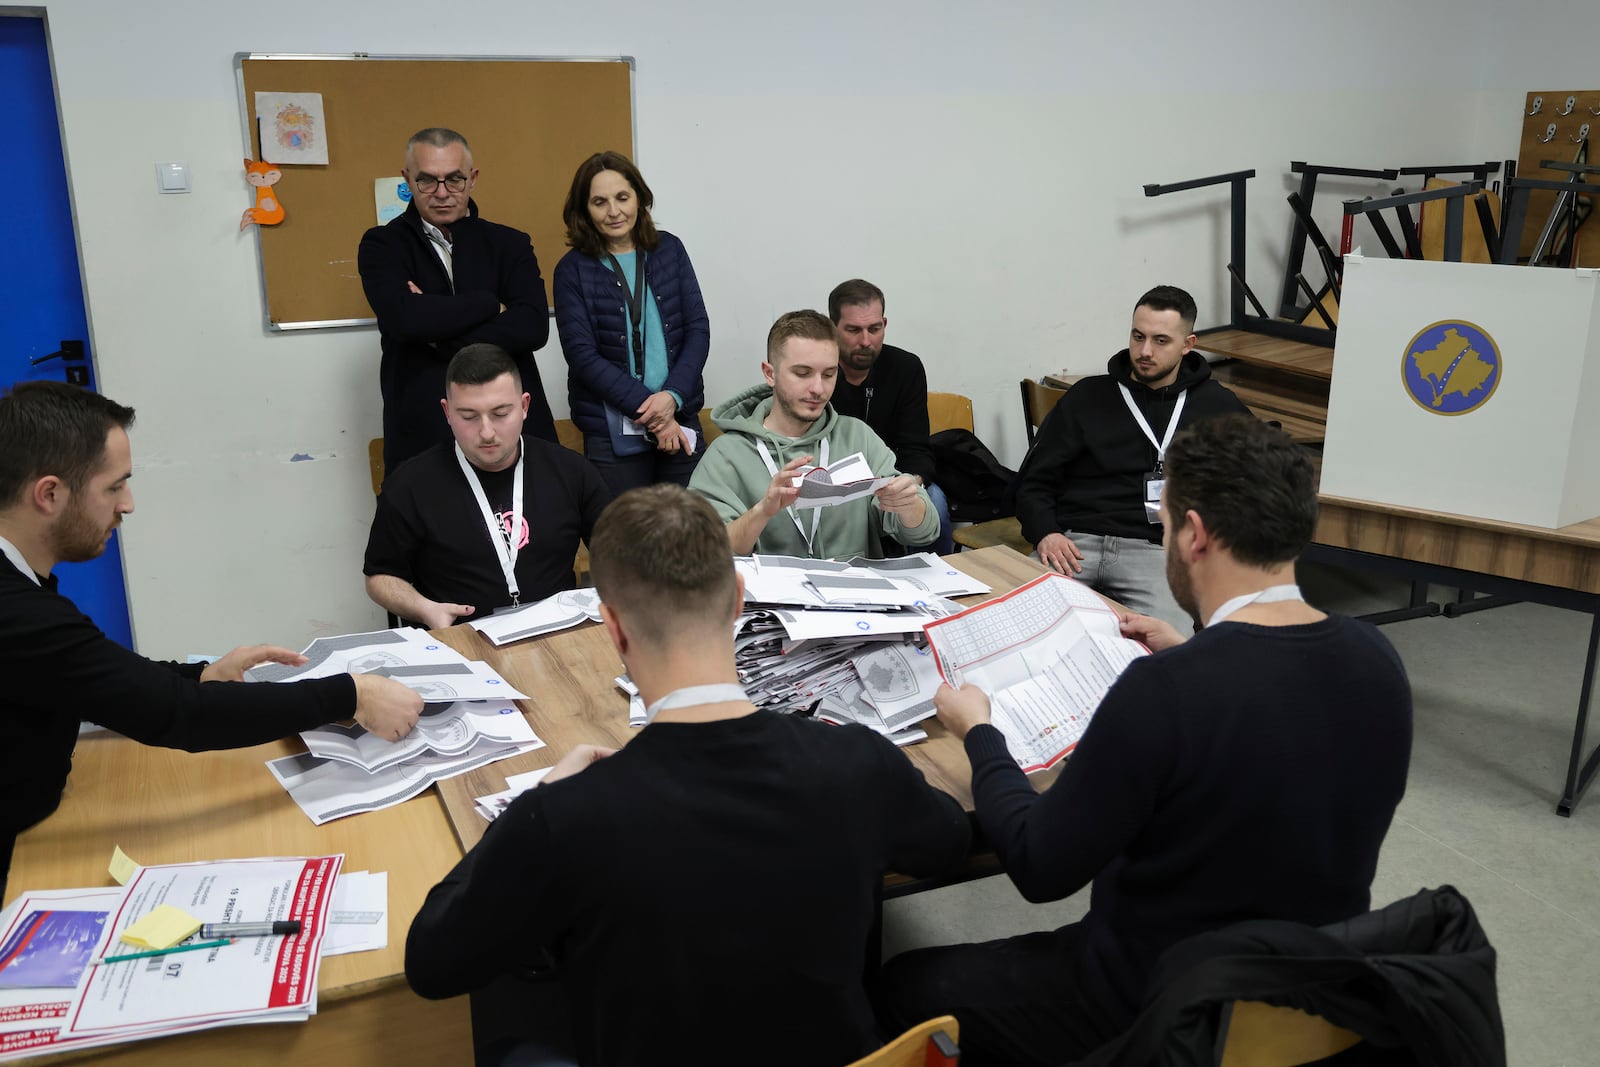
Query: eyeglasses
point(427, 183)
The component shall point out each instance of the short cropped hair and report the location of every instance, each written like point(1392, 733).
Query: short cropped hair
point(54, 428)
point(1171, 298)
point(581, 233)
point(1251, 483)
point(805, 325)
point(439, 137)
point(480, 364)
point(660, 558)
point(857, 292)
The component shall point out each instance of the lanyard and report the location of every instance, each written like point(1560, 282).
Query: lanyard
point(1269, 595)
point(816, 513)
point(695, 696)
point(1172, 423)
point(504, 541)
point(635, 297)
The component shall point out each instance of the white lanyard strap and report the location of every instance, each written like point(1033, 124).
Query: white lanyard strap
point(504, 541)
point(695, 696)
point(794, 516)
point(1172, 423)
point(1268, 595)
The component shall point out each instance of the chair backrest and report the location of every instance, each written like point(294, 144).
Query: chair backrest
point(709, 430)
point(933, 1044)
point(375, 463)
point(1264, 1035)
point(569, 435)
point(1038, 400)
point(949, 411)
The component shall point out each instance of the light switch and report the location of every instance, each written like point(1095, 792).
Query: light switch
point(172, 177)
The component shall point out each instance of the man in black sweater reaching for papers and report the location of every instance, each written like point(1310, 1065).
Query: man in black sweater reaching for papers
point(708, 889)
point(1248, 772)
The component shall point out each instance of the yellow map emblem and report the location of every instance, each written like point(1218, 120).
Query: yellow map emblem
point(1451, 367)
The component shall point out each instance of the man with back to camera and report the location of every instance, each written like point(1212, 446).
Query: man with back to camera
point(1248, 772)
point(886, 388)
point(65, 463)
point(772, 431)
point(636, 873)
point(1087, 492)
point(439, 278)
point(491, 519)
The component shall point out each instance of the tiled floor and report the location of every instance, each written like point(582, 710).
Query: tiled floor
point(1495, 695)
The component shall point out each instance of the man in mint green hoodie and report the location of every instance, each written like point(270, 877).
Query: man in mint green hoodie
point(772, 431)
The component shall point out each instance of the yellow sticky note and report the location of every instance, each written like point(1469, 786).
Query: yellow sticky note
point(162, 928)
point(122, 867)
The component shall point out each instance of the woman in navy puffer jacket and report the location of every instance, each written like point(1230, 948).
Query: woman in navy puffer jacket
point(633, 329)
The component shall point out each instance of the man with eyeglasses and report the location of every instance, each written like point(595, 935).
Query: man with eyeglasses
point(440, 278)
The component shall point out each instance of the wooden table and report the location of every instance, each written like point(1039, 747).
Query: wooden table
point(1507, 561)
point(164, 806)
point(570, 674)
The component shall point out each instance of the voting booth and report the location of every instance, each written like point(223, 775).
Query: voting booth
point(1472, 389)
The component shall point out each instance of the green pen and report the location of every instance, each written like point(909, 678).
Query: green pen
point(163, 951)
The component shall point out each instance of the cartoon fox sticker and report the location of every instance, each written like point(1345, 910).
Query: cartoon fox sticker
point(268, 211)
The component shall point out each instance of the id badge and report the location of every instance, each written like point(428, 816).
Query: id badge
point(1152, 495)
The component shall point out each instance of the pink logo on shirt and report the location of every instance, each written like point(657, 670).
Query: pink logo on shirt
point(506, 520)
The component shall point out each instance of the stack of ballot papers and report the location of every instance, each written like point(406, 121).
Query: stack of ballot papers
point(546, 616)
point(469, 720)
point(492, 805)
point(839, 482)
point(57, 994)
point(845, 638)
point(1046, 653)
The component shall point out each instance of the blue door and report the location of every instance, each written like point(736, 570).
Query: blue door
point(41, 301)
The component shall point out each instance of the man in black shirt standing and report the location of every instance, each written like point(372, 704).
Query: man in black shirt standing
point(489, 519)
point(65, 463)
point(886, 388)
point(1248, 772)
point(709, 888)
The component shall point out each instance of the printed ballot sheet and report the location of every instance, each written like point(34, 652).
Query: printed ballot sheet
point(565, 609)
point(444, 729)
point(1046, 653)
point(327, 789)
point(247, 978)
point(412, 657)
point(839, 482)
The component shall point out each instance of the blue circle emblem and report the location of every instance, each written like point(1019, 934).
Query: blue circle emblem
point(1451, 367)
point(404, 193)
point(863, 625)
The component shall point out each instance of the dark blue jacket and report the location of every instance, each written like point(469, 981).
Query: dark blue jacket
point(494, 267)
point(592, 319)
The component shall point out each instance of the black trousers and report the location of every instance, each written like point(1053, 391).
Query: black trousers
point(1018, 1000)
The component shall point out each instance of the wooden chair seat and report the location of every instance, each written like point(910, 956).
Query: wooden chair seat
point(933, 1044)
point(1006, 531)
point(1264, 1035)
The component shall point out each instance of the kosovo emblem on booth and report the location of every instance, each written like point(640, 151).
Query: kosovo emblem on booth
point(1451, 367)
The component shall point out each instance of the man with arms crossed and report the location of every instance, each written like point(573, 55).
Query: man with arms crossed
point(490, 519)
point(1249, 772)
point(1087, 492)
point(65, 463)
point(771, 431)
point(709, 888)
point(438, 278)
point(886, 388)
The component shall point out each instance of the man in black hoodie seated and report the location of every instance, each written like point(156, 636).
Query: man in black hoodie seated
point(1088, 491)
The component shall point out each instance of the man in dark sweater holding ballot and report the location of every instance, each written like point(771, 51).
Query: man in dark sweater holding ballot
point(1248, 772)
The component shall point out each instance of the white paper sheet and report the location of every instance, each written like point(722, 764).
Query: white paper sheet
point(451, 729)
point(329, 789)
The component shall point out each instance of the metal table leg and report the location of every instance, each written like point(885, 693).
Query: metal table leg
point(1578, 778)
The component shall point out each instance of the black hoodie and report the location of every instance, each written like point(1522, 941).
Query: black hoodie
point(1086, 470)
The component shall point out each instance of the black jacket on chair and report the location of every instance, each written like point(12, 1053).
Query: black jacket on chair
point(1418, 975)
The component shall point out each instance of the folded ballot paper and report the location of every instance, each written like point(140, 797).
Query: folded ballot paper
point(412, 657)
point(60, 996)
point(1046, 653)
point(546, 616)
point(841, 481)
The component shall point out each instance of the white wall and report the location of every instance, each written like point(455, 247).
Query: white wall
point(982, 163)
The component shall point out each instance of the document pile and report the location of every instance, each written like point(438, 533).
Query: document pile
point(546, 616)
point(1046, 653)
point(58, 994)
point(846, 637)
point(469, 721)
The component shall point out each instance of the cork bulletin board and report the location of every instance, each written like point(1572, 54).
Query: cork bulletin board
point(530, 122)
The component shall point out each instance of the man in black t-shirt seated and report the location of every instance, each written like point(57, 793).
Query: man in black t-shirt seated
point(886, 388)
point(493, 518)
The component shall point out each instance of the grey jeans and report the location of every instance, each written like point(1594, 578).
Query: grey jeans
point(1132, 572)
